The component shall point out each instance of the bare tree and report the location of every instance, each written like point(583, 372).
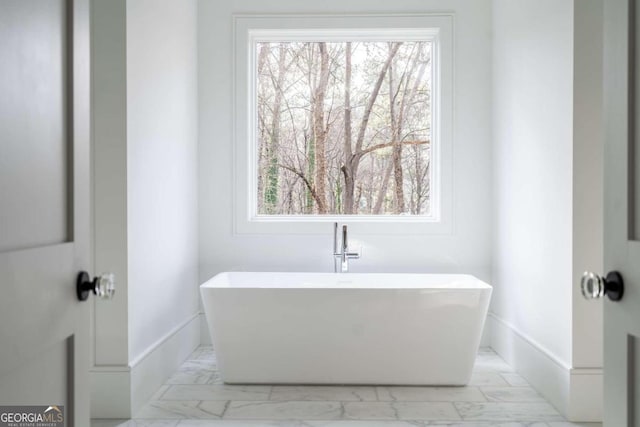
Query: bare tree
point(319, 129)
point(396, 124)
point(323, 107)
point(272, 188)
point(352, 157)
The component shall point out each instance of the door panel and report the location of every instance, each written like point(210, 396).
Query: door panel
point(41, 378)
point(44, 204)
point(634, 128)
point(44, 278)
point(34, 117)
point(622, 209)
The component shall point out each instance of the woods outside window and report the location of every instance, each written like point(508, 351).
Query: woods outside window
point(344, 127)
point(343, 123)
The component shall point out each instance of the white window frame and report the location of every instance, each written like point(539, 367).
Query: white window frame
point(251, 29)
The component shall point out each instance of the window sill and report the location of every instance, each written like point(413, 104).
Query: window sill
point(360, 224)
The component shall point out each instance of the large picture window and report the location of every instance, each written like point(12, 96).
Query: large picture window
point(344, 127)
point(343, 118)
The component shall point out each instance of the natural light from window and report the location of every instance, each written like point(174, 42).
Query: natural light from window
point(344, 127)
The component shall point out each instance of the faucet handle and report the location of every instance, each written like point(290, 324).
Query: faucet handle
point(345, 254)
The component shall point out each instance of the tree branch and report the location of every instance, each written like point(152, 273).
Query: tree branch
point(390, 144)
point(303, 178)
point(373, 96)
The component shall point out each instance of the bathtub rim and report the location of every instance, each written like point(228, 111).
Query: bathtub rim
point(345, 281)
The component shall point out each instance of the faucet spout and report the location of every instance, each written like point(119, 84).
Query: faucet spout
point(344, 255)
point(345, 262)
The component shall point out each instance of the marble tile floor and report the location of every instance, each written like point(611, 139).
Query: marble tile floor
point(196, 396)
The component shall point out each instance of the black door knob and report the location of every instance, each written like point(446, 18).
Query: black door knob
point(102, 286)
point(594, 286)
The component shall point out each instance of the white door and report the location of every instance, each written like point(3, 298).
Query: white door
point(622, 212)
point(44, 204)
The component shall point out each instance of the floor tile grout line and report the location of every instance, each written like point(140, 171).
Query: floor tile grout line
point(455, 407)
point(164, 392)
point(486, 398)
point(224, 410)
point(502, 374)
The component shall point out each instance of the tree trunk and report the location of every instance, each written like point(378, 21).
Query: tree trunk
point(382, 192)
point(398, 179)
point(397, 146)
point(320, 131)
point(406, 99)
point(264, 137)
point(418, 163)
point(273, 171)
point(350, 168)
point(347, 171)
point(311, 167)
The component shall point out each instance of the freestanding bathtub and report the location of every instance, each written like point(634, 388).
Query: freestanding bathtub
point(326, 328)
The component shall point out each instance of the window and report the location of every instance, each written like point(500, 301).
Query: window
point(334, 121)
point(344, 127)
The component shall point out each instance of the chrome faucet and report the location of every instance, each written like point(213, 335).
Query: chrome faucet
point(344, 255)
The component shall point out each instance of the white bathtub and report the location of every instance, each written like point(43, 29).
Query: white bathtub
point(326, 328)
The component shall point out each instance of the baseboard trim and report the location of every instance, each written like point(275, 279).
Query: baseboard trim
point(529, 340)
point(575, 392)
point(158, 344)
point(586, 397)
point(161, 360)
point(120, 391)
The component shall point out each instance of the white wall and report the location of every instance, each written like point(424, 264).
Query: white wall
point(145, 196)
point(162, 162)
point(547, 166)
point(532, 163)
point(467, 249)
